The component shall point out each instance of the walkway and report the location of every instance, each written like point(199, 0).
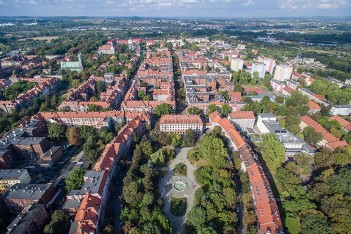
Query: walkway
point(165, 189)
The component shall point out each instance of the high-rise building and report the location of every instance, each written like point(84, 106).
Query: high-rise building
point(236, 64)
point(270, 64)
point(260, 68)
point(283, 72)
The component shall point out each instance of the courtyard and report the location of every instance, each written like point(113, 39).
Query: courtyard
point(178, 187)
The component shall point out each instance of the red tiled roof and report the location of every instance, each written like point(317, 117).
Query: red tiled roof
point(332, 141)
point(313, 106)
point(181, 119)
point(87, 214)
point(346, 124)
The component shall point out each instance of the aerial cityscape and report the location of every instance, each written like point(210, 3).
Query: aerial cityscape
point(175, 117)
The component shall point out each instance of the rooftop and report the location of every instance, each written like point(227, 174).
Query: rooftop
point(11, 174)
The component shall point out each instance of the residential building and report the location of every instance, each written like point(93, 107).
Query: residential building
point(6, 158)
point(17, 197)
point(270, 64)
point(242, 119)
point(106, 49)
point(283, 72)
point(237, 64)
point(94, 184)
point(346, 124)
point(266, 208)
point(51, 157)
point(316, 97)
point(277, 85)
point(260, 68)
point(181, 123)
point(93, 119)
point(340, 110)
point(329, 140)
point(30, 221)
point(9, 178)
point(313, 107)
point(87, 217)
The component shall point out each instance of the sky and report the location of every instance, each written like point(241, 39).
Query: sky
point(177, 8)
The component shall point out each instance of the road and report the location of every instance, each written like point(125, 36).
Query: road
point(178, 223)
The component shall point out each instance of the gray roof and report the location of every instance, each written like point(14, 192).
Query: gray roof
point(26, 191)
point(71, 204)
point(11, 174)
point(93, 181)
point(25, 219)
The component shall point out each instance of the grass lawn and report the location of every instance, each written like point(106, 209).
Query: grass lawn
point(292, 225)
point(178, 206)
point(256, 86)
point(202, 163)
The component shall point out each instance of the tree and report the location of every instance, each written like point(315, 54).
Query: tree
point(311, 136)
point(315, 223)
point(59, 223)
point(163, 109)
point(86, 131)
point(105, 135)
point(74, 136)
point(75, 179)
point(274, 152)
point(193, 110)
point(225, 110)
point(213, 150)
point(189, 138)
point(56, 131)
point(197, 216)
point(212, 108)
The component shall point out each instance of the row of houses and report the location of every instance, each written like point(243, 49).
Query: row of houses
point(26, 99)
point(87, 205)
point(78, 99)
point(155, 76)
point(266, 208)
point(93, 119)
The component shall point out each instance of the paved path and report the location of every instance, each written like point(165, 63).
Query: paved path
point(165, 188)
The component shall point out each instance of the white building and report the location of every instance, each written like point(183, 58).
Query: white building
point(106, 49)
point(270, 64)
point(277, 85)
point(341, 110)
point(260, 68)
point(237, 64)
point(242, 119)
point(283, 72)
point(181, 123)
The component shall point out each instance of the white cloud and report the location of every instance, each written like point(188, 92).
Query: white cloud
point(312, 4)
point(33, 2)
point(248, 3)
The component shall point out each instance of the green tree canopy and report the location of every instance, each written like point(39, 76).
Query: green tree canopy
point(75, 179)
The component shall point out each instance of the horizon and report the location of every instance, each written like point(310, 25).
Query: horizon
point(177, 9)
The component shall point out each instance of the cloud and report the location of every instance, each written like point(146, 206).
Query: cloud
point(248, 3)
point(33, 2)
point(312, 4)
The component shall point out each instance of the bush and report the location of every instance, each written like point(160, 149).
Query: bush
point(180, 169)
point(178, 206)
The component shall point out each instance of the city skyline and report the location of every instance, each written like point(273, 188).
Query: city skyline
point(181, 8)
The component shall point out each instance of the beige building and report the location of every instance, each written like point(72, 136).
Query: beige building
point(283, 72)
point(181, 123)
point(237, 64)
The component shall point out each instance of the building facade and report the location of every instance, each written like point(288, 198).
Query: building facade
point(181, 123)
